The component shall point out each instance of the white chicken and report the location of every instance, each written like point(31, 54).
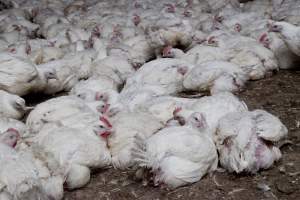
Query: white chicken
point(252, 57)
point(119, 65)
point(197, 55)
point(122, 140)
point(70, 69)
point(213, 108)
point(126, 66)
point(76, 151)
point(215, 76)
point(20, 76)
point(245, 141)
point(286, 58)
point(24, 177)
point(55, 109)
point(163, 107)
point(6, 123)
point(179, 155)
point(290, 34)
point(166, 74)
point(12, 106)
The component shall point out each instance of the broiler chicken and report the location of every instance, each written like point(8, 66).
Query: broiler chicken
point(126, 126)
point(215, 76)
point(245, 141)
point(19, 76)
point(12, 106)
point(213, 108)
point(6, 123)
point(22, 176)
point(178, 155)
point(290, 34)
point(76, 151)
point(55, 109)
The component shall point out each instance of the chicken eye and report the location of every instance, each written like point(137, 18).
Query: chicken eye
point(11, 137)
point(101, 126)
point(237, 27)
point(187, 13)
point(195, 118)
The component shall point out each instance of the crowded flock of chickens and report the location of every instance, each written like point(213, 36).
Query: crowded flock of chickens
point(146, 85)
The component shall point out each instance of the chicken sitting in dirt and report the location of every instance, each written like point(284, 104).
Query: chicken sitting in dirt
point(178, 155)
point(245, 141)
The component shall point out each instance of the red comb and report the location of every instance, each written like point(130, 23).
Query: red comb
point(13, 50)
point(263, 37)
point(105, 121)
point(136, 19)
point(13, 130)
point(105, 134)
point(177, 110)
point(166, 50)
point(97, 96)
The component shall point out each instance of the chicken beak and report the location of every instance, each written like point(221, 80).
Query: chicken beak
point(55, 77)
point(29, 108)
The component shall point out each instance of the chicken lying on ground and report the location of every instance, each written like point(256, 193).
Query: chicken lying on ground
point(24, 176)
point(215, 76)
point(178, 155)
point(126, 126)
point(246, 141)
point(19, 76)
point(81, 152)
point(12, 106)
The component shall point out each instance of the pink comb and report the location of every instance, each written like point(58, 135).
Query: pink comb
point(136, 19)
point(105, 121)
point(263, 37)
point(13, 130)
point(105, 134)
point(97, 96)
point(166, 50)
point(13, 50)
point(177, 110)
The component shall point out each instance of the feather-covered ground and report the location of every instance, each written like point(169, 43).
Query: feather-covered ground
point(279, 95)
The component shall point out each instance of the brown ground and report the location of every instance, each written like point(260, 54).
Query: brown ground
point(279, 95)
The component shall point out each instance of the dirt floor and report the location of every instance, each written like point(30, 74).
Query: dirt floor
point(279, 95)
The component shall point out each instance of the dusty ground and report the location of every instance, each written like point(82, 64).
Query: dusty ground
point(279, 95)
